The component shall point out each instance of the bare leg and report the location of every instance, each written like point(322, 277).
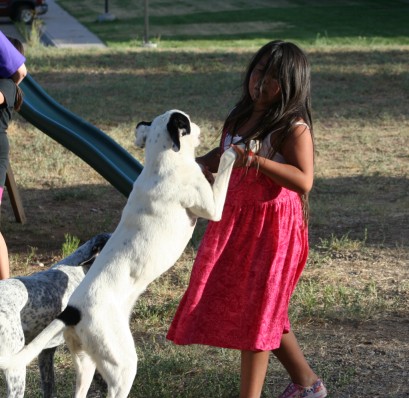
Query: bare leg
point(253, 372)
point(292, 358)
point(4, 259)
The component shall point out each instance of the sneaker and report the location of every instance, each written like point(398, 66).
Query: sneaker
point(317, 390)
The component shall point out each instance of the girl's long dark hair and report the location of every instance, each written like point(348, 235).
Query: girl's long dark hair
point(289, 66)
point(19, 98)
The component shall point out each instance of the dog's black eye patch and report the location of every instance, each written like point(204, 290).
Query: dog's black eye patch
point(143, 123)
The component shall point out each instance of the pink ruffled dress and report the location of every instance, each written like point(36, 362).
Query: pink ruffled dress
point(246, 269)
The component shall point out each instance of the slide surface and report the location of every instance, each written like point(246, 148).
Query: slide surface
point(86, 141)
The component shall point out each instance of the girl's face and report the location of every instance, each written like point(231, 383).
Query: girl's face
point(264, 97)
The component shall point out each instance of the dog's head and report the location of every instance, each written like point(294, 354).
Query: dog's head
point(86, 253)
point(167, 130)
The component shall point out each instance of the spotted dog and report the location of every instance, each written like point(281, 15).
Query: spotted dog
point(29, 303)
point(156, 225)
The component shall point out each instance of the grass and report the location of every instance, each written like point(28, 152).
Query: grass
point(231, 22)
point(70, 245)
point(350, 306)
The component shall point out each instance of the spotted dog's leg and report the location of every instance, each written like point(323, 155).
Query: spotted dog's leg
point(16, 382)
point(12, 337)
point(46, 365)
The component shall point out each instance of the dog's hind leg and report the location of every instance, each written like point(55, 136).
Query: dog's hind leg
point(46, 365)
point(83, 363)
point(119, 376)
point(121, 380)
point(16, 382)
point(117, 363)
point(85, 368)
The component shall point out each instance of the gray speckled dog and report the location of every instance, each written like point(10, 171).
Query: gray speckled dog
point(29, 303)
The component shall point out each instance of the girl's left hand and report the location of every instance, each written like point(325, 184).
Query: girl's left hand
point(241, 156)
point(244, 158)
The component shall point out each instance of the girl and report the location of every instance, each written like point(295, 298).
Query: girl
point(10, 98)
point(248, 264)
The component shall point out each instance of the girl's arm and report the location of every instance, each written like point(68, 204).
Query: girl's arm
point(209, 163)
point(211, 160)
point(20, 74)
point(298, 173)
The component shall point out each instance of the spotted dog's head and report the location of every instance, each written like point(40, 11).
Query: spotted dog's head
point(167, 131)
point(87, 253)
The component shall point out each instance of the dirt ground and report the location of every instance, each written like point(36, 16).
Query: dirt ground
point(378, 351)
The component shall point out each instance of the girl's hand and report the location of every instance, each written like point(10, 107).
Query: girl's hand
point(245, 158)
point(241, 156)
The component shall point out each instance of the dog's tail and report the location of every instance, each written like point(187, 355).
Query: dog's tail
point(70, 316)
point(31, 351)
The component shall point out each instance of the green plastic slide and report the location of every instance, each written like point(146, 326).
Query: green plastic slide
point(92, 145)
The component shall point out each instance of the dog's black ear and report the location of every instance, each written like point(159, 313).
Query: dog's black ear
point(141, 131)
point(178, 125)
point(143, 124)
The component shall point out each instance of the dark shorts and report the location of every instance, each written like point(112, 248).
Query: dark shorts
point(4, 157)
point(4, 160)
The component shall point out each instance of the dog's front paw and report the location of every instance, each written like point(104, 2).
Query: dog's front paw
point(230, 155)
point(255, 146)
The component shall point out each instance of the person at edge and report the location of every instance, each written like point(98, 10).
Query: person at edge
point(12, 72)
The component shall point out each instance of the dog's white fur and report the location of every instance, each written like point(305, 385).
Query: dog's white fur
point(156, 225)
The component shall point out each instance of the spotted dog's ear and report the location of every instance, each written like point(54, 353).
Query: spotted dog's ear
point(141, 132)
point(178, 125)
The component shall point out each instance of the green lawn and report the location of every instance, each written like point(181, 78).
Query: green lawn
point(231, 22)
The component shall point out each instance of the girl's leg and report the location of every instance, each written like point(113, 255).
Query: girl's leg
point(253, 372)
point(4, 259)
point(292, 358)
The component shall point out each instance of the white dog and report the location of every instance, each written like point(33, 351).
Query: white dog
point(156, 225)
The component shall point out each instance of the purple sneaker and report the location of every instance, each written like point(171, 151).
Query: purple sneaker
point(317, 390)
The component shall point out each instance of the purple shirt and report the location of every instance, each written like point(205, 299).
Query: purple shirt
point(10, 58)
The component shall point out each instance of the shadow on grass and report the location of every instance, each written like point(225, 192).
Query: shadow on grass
point(79, 211)
point(108, 88)
point(372, 209)
point(351, 84)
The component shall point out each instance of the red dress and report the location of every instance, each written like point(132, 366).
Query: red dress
point(246, 269)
